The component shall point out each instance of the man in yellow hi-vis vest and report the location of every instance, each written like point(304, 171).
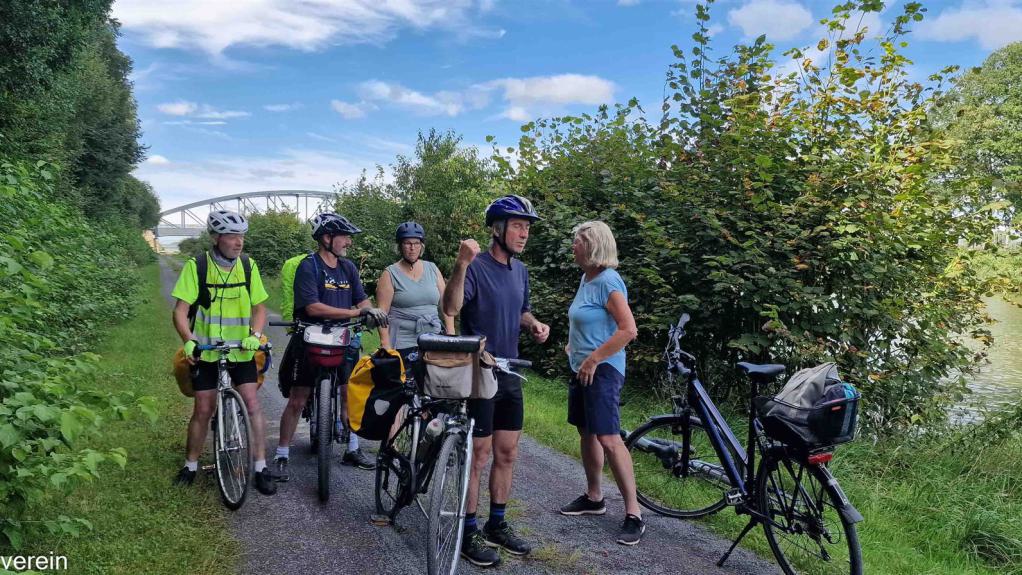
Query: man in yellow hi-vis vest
point(230, 311)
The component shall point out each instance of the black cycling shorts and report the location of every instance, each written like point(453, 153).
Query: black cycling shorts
point(505, 411)
point(208, 374)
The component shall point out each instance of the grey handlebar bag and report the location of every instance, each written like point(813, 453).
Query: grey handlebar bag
point(807, 386)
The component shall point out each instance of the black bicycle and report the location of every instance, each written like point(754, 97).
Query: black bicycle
point(689, 464)
point(325, 344)
point(232, 430)
point(431, 451)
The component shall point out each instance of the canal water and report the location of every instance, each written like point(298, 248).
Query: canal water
point(999, 382)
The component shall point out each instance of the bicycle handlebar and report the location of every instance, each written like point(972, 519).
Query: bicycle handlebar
point(355, 323)
point(524, 363)
point(266, 348)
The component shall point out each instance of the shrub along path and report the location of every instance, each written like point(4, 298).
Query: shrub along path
point(293, 532)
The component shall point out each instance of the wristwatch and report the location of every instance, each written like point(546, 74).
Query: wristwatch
point(257, 334)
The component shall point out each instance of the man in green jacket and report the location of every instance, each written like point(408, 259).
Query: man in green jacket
point(234, 315)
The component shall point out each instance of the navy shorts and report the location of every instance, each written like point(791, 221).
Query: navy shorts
point(207, 374)
point(505, 411)
point(595, 408)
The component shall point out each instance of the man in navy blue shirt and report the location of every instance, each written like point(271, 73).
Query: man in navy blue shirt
point(327, 286)
point(491, 292)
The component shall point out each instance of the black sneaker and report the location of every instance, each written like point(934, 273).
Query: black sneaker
point(357, 459)
point(631, 530)
point(584, 506)
point(184, 477)
point(503, 536)
point(264, 482)
point(475, 551)
point(283, 475)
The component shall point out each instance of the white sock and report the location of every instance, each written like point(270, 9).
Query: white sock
point(192, 465)
point(352, 441)
point(260, 465)
point(283, 452)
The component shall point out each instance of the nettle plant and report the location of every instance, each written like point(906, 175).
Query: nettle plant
point(62, 279)
point(800, 212)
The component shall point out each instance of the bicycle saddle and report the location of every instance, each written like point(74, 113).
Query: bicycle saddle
point(441, 342)
point(762, 372)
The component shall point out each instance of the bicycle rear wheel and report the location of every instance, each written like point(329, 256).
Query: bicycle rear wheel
point(672, 480)
point(394, 473)
point(807, 534)
point(324, 424)
point(447, 506)
point(233, 454)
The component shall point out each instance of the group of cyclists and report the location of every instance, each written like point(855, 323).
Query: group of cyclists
point(488, 290)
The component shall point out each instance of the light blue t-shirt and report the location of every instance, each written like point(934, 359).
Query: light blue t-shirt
point(589, 322)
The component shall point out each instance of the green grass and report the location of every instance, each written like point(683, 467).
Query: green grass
point(142, 524)
point(934, 507)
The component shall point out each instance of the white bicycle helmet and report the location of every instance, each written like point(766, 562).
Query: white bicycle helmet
point(226, 222)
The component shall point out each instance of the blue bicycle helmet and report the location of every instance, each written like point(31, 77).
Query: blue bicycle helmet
point(510, 206)
point(410, 230)
point(329, 223)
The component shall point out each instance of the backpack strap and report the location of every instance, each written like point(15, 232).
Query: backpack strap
point(201, 267)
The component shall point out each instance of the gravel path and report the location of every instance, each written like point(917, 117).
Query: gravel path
point(293, 532)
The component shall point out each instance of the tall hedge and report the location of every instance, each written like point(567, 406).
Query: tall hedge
point(63, 279)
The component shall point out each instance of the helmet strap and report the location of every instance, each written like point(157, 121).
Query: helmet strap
point(503, 245)
point(329, 246)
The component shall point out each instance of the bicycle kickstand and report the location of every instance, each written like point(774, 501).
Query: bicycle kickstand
point(752, 523)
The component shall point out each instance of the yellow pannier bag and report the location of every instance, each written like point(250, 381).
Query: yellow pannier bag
point(376, 391)
point(183, 370)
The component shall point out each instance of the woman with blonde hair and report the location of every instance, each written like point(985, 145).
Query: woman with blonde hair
point(600, 325)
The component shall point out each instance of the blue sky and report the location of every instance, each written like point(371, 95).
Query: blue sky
point(249, 95)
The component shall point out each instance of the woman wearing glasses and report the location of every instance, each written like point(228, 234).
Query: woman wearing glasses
point(409, 291)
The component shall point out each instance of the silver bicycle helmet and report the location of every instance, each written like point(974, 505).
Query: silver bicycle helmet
point(226, 222)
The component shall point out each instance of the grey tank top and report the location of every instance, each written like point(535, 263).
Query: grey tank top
point(413, 310)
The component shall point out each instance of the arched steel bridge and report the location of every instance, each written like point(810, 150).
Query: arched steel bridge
point(190, 219)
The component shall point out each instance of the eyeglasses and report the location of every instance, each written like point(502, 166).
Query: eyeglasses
point(411, 244)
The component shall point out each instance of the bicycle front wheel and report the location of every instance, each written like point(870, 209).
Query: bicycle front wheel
point(233, 450)
point(394, 472)
point(324, 424)
point(447, 506)
point(677, 471)
point(806, 532)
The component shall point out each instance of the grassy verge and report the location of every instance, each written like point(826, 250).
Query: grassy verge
point(141, 523)
point(930, 508)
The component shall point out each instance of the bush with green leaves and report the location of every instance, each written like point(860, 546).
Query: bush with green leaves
point(444, 187)
point(799, 214)
point(62, 280)
point(275, 236)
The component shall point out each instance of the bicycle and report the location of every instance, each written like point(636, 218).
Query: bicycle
point(232, 456)
point(690, 464)
point(412, 462)
point(323, 412)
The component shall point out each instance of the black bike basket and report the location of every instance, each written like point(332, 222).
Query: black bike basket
point(829, 419)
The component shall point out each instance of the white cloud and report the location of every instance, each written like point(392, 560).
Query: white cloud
point(440, 103)
point(183, 182)
point(179, 108)
point(320, 137)
point(525, 97)
point(205, 111)
point(778, 19)
point(157, 160)
point(350, 111)
point(216, 26)
point(992, 23)
point(282, 107)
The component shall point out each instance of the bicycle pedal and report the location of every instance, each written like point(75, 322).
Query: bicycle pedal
point(733, 497)
point(209, 469)
point(380, 520)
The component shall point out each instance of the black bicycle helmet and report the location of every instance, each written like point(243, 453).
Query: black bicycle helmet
point(510, 206)
point(410, 230)
point(330, 223)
